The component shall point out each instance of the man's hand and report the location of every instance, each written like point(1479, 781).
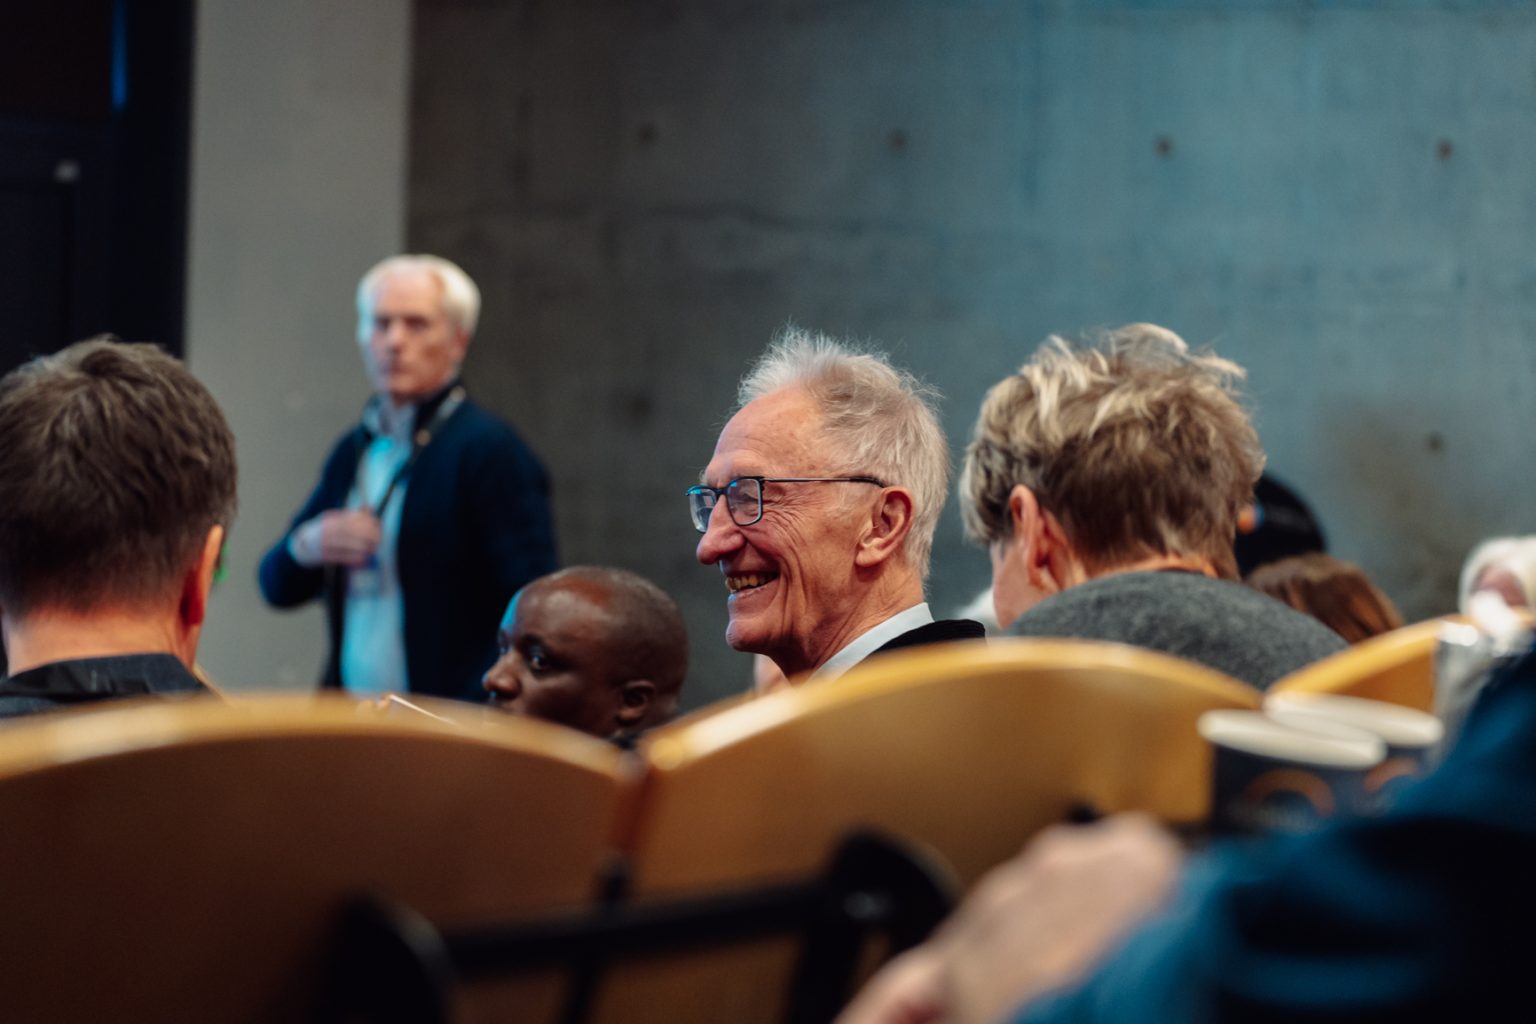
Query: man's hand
point(346, 536)
point(908, 990)
point(1034, 924)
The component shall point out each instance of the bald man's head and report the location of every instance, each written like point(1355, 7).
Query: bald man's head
point(594, 648)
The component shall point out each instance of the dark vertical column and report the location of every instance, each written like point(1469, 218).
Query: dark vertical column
point(95, 99)
point(152, 90)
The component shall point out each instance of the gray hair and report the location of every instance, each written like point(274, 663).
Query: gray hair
point(878, 421)
point(461, 298)
point(1138, 446)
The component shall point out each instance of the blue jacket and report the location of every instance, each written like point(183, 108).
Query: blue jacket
point(475, 527)
point(1422, 914)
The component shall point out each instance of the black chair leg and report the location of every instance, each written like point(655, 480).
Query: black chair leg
point(391, 968)
point(875, 885)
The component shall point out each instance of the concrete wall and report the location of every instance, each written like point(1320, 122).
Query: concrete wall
point(1336, 195)
point(298, 185)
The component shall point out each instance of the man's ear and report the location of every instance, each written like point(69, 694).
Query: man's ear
point(461, 343)
point(1038, 537)
point(887, 529)
point(635, 700)
point(198, 581)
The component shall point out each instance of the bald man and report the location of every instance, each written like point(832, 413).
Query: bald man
point(596, 649)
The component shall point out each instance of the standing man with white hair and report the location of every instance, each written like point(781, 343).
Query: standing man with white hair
point(429, 514)
point(819, 507)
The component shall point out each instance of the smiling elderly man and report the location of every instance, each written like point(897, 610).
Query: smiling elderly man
point(833, 472)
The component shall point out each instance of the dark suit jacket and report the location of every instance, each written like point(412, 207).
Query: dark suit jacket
point(474, 528)
point(937, 632)
point(1422, 914)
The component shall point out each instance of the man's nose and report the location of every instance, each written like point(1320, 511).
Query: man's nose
point(393, 333)
point(721, 538)
point(501, 679)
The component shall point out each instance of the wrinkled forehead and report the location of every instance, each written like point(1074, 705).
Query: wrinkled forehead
point(777, 435)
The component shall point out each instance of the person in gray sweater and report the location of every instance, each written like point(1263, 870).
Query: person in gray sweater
point(1106, 481)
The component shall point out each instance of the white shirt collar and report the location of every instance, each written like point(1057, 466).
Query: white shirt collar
point(871, 640)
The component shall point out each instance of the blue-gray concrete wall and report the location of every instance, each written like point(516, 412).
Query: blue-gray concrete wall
point(1336, 195)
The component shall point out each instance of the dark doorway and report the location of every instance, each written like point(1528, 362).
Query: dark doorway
point(94, 113)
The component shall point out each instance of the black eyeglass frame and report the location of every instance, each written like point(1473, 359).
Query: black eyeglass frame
point(722, 492)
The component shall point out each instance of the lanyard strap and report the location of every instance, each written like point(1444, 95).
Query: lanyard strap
point(419, 441)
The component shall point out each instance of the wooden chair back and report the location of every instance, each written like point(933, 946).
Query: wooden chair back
point(1397, 667)
point(968, 749)
point(186, 860)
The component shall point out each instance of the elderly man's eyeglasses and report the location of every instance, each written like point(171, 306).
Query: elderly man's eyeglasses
point(744, 496)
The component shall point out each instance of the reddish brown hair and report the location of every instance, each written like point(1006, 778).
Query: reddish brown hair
point(1336, 593)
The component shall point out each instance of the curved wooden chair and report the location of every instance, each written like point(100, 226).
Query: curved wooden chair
point(187, 860)
point(967, 749)
point(1396, 667)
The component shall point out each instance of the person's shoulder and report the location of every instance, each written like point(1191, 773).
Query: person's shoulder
point(477, 424)
point(1102, 592)
point(1231, 598)
point(487, 444)
point(1177, 597)
point(937, 632)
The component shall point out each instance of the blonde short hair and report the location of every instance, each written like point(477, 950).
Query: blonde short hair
point(1138, 447)
point(877, 420)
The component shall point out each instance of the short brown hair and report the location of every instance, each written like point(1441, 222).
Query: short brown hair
point(1138, 447)
point(1335, 592)
point(114, 464)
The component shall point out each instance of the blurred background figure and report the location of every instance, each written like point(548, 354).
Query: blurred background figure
point(429, 513)
point(1335, 592)
point(596, 649)
point(1276, 525)
point(1505, 565)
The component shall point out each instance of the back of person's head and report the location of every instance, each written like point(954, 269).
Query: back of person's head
point(1335, 592)
point(1506, 565)
point(1139, 447)
point(648, 625)
point(876, 420)
point(115, 465)
point(1277, 525)
point(461, 296)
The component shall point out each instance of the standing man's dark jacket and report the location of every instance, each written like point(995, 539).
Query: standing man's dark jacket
point(475, 527)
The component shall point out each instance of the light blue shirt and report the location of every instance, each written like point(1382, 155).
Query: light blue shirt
point(373, 631)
